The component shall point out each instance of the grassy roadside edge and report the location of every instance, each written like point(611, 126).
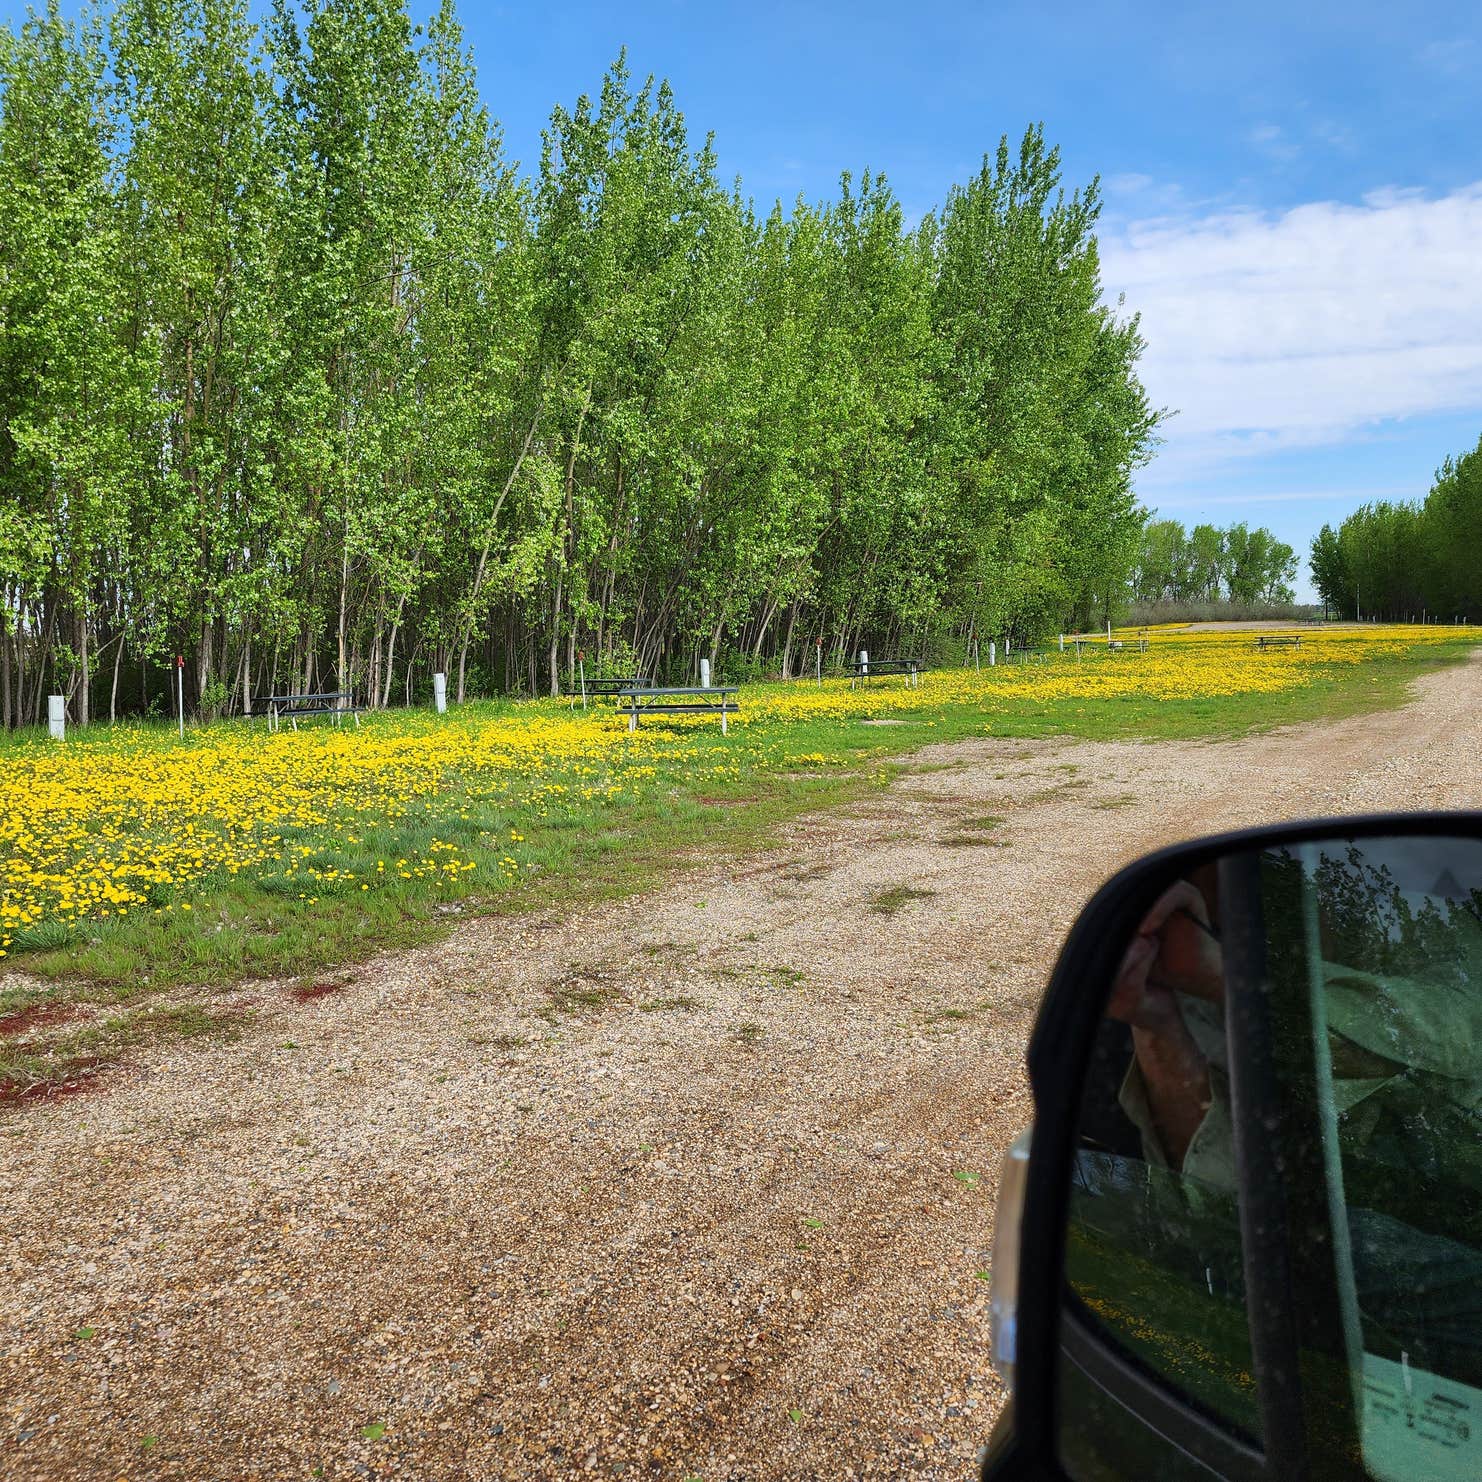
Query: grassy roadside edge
point(607, 860)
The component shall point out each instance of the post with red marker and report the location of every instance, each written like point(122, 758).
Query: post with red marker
point(180, 690)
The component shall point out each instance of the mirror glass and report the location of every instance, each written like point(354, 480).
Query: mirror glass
point(1287, 1091)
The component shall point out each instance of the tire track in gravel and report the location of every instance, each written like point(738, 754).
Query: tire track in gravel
point(530, 1236)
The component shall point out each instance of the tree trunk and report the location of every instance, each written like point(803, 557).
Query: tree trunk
point(205, 661)
point(4, 678)
point(43, 650)
point(483, 563)
point(720, 628)
point(341, 678)
point(567, 536)
point(792, 623)
point(84, 659)
point(391, 655)
point(555, 645)
point(247, 673)
point(113, 693)
point(761, 632)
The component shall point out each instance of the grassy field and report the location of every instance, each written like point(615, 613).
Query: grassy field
point(133, 861)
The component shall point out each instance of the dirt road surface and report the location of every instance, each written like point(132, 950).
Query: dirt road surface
point(662, 1188)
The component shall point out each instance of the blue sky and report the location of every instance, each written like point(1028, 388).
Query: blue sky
point(1293, 192)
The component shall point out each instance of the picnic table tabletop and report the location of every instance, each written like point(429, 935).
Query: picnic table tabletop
point(333, 703)
point(683, 689)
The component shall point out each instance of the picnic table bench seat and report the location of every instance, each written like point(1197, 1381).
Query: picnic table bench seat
point(869, 669)
point(1279, 640)
point(1111, 645)
point(678, 700)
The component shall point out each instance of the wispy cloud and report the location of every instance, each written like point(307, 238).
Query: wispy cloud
point(1334, 134)
point(1129, 184)
point(1452, 58)
point(1272, 141)
point(1307, 327)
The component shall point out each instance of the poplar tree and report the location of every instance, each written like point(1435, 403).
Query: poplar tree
point(302, 379)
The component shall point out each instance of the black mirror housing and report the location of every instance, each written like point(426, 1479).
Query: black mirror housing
point(1059, 1060)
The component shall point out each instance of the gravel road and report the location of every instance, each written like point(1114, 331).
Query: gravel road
point(679, 1187)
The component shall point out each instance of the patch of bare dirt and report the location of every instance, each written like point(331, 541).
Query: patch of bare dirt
point(321, 988)
point(665, 1188)
point(20, 1024)
point(81, 1075)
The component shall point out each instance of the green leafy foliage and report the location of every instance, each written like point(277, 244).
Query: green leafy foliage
point(302, 381)
point(1409, 560)
point(1236, 565)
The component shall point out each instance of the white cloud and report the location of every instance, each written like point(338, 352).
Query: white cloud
point(1305, 328)
point(1128, 184)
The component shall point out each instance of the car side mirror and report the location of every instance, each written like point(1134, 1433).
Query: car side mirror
point(1245, 1238)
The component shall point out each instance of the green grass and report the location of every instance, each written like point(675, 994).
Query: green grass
point(240, 927)
point(889, 902)
point(75, 1054)
point(976, 833)
point(679, 1003)
point(947, 1020)
point(1196, 1339)
point(243, 927)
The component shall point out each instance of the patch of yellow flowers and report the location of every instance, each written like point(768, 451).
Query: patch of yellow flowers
point(113, 823)
point(1178, 664)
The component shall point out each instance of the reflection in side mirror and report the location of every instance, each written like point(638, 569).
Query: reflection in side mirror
point(1274, 1224)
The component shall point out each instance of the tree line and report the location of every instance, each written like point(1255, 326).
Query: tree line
point(1410, 559)
point(1208, 564)
point(304, 380)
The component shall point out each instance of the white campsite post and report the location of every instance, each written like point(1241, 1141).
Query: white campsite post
point(992, 652)
point(56, 716)
point(704, 674)
point(1108, 630)
point(1062, 643)
point(180, 690)
point(864, 663)
point(440, 693)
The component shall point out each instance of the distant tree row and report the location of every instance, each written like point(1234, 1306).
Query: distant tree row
point(1208, 564)
point(1413, 559)
point(300, 378)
